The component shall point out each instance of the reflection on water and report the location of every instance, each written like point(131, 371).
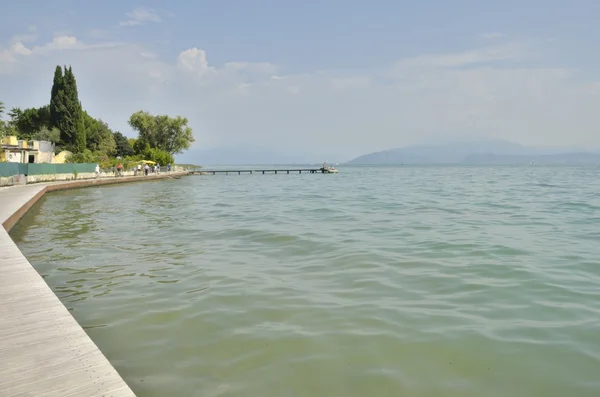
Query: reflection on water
point(412, 281)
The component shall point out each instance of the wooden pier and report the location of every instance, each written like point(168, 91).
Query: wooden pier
point(266, 171)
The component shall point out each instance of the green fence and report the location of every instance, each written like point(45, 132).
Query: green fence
point(10, 169)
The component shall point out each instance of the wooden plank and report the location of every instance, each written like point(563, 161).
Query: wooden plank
point(43, 350)
point(274, 171)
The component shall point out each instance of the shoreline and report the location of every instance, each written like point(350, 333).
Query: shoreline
point(45, 350)
point(46, 187)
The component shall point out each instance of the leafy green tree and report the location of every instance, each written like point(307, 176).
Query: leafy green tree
point(43, 114)
point(28, 122)
point(11, 125)
point(170, 134)
point(132, 142)
point(158, 155)
point(99, 137)
point(14, 114)
point(123, 147)
point(65, 123)
point(47, 134)
point(139, 146)
point(85, 156)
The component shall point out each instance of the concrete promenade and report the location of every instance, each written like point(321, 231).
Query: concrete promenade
point(43, 350)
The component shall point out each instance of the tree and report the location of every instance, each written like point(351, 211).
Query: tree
point(73, 108)
point(31, 123)
point(159, 156)
point(57, 99)
point(123, 148)
point(46, 134)
point(26, 123)
point(9, 127)
point(171, 135)
point(65, 110)
point(99, 137)
point(132, 142)
point(140, 145)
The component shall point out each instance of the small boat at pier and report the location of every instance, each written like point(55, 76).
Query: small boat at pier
point(326, 169)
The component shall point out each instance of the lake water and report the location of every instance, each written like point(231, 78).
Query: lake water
point(381, 281)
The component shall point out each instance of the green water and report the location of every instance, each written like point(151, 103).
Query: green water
point(389, 281)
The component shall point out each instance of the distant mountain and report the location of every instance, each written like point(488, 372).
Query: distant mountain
point(491, 151)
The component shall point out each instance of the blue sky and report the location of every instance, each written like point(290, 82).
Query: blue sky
point(319, 78)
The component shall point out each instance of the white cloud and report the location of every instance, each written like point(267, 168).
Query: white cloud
point(20, 49)
point(60, 43)
point(140, 16)
point(10, 56)
point(256, 103)
point(495, 53)
point(193, 60)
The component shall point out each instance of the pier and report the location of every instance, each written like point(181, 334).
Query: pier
point(266, 171)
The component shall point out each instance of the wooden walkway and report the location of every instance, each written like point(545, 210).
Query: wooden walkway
point(43, 350)
point(269, 171)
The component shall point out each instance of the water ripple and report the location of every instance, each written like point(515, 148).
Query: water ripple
point(383, 281)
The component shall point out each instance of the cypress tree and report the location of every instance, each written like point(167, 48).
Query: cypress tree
point(69, 118)
point(66, 123)
point(57, 99)
point(79, 138)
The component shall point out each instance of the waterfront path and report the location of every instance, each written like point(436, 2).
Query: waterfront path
point(43, 350)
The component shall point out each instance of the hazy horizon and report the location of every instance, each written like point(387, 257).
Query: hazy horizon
point(259, 156)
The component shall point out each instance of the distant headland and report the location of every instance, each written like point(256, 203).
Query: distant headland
point(482, 152)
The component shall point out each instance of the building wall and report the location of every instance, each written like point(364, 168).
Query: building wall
point(43, 151)
point(44, 146)
point(10, 140)
point(13, 157)
point(45, 157)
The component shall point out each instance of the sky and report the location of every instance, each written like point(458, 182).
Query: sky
point(318, 79)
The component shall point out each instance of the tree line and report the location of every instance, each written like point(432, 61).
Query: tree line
point(64, 123)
